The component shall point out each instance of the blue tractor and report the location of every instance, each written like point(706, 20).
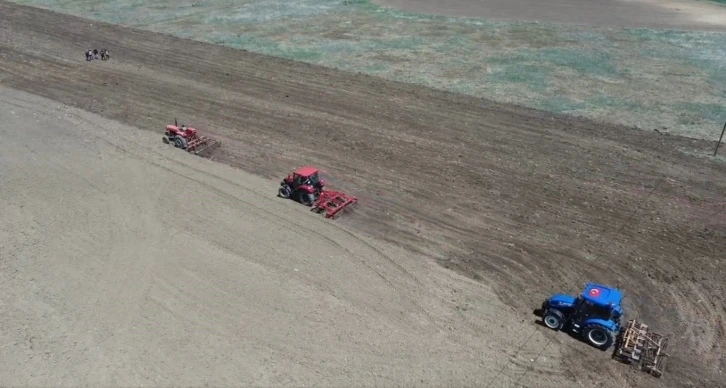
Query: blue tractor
point(594, 315)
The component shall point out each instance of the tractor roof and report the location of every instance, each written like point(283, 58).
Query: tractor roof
point(306, 171)
point(602, 295)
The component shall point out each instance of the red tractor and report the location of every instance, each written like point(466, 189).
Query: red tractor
point(187, 139)
point(305, 186)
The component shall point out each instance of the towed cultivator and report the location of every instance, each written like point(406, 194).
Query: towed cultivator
point(188, 139)
point(642, 348)
point(305, 186)
point(332, 202)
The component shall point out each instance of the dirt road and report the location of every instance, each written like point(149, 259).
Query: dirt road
point(661, 14)
point(522, 202)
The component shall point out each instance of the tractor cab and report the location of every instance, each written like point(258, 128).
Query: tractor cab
point(597, 301)
point(595, 313)
point(305, 176)
point(304, 185)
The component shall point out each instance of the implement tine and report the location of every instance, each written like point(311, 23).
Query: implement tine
point(208, 147)
point(203, 145)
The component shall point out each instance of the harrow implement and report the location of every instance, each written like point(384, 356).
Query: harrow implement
point(332, 203)
point(201, 145)
point(642, 348)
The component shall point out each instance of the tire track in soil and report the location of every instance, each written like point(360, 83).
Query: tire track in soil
point(174, 287)
point(271, 216)
point(478, 328)
point(300, 226)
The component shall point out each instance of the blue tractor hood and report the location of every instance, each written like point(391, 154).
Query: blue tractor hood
point(561, 300)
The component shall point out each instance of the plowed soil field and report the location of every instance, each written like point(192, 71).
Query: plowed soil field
point(127, 262)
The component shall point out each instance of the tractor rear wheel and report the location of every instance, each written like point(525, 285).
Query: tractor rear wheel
point(598, 336)
point(306, 199)
point(180, 142)
point(553, 319)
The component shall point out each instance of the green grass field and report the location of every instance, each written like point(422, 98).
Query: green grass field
point(651, 79)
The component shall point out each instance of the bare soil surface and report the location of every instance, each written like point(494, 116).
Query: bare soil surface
point(126, 262)
point(521, 202)
point(661, 14)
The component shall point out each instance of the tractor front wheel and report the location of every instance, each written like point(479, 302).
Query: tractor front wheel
point(553, 319)
point(285, 192)
point(598, 336)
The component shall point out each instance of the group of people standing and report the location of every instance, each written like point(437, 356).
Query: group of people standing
point(94, 54)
